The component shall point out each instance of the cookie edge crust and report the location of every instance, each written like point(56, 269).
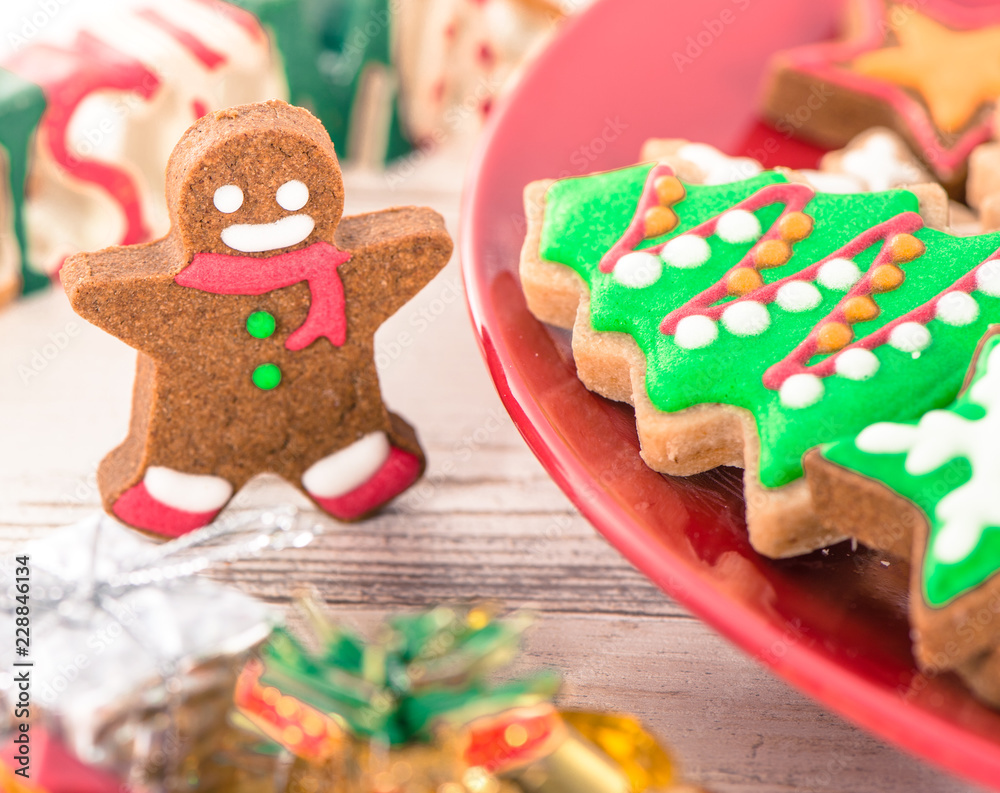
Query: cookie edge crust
point(946, 637)
point(781, 521)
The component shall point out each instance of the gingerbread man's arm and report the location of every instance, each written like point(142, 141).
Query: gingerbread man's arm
point(122, 290)
point(394, 254)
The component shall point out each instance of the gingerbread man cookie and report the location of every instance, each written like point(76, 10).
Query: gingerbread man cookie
point(254, 321)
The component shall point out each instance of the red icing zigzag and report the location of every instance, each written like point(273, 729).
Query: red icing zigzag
point(795, 197)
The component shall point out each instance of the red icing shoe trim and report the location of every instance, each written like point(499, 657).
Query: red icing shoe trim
point(138, 508)
point(397, 473)
point(222, 274)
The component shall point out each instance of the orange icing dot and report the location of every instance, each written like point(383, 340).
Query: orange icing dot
point(886, 277)
point(659, 220)
point(860, 309)
point(905, 248)
point(743, 280)
point(291, 736)
point(772, 253)
point(287, 707)
point(833, 336)
point(669, 190)
point(312, 725)
point(795, 226)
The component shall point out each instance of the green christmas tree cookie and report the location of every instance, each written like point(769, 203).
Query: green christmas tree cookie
point(750, 322)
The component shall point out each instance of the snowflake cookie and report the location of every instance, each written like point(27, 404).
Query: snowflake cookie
point(926, 490)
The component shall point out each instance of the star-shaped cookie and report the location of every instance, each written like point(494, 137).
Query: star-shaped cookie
point(931, 72)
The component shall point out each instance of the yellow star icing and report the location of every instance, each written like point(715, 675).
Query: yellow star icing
point(956, 72)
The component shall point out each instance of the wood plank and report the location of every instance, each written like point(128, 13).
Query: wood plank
point(486, 523)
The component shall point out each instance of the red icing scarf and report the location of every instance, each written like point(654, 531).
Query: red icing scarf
point(222, 274)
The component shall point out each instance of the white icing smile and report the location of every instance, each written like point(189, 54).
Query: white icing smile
point(258, 237)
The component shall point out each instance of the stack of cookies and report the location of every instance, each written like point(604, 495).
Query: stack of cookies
point(831, 331)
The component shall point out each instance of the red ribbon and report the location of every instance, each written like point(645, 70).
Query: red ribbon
point(222, 274)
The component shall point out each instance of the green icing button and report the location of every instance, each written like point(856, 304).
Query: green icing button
point(266, 376)
point(260, 324)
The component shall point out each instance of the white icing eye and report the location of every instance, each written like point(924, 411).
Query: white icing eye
point(228, 198)
point(292, 195)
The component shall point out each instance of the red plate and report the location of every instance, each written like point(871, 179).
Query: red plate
point(833, 625)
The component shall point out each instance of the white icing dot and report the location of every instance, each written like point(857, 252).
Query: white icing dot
point(738, 225)
point(988, 278)
point(686, 251)
point(856, 364)
point(910, 337)
point(228, 198)
point(957, 308)
point(839, 274)
point(801, 391)
point(638, 269)
point(695, 331)
point(746, 318)
point(798, 296)
point(292, 195)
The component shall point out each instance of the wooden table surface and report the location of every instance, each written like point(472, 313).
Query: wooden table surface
point(494, 526)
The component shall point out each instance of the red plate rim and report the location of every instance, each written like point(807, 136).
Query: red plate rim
point(874, 707)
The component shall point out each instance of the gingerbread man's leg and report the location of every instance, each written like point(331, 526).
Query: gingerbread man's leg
point(357, 480)
point(148, 490)
point(172, 503)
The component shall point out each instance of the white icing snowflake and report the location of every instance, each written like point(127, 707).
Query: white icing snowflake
point(716, 167)
point(942, 436)
point(879, 162)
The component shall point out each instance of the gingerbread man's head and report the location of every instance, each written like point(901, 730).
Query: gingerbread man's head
point(256, 180)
